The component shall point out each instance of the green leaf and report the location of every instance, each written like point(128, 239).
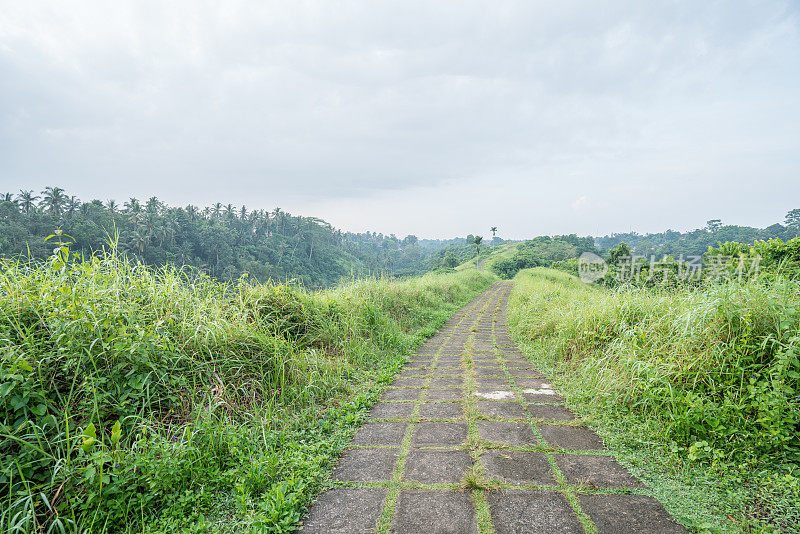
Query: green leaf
point(25, 366)
point(89, 437)
point(19, 402)
point(90, 431)
point(6, 388)
point(116, 434)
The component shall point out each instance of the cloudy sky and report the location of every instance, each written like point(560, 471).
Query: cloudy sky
point(437, 118)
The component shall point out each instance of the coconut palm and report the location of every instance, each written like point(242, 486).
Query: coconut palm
point(139, 240)
point(27, 200)
point(53, 199)
point(477, 240)
point(8, 198)
point(133, 206)
point(112, 207)
point(279, 216)
point(153, 205)
point(71, 205)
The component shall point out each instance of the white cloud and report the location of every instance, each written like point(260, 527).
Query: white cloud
point(320, 105)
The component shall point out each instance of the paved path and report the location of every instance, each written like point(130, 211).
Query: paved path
point(470, 438)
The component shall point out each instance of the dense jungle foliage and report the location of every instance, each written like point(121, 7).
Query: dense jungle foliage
point(222, 241)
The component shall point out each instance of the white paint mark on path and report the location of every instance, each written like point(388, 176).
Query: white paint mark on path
point(496, 395)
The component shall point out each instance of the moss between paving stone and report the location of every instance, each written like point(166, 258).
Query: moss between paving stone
point(450, 431)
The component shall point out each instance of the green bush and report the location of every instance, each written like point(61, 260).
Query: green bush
point(545, 251)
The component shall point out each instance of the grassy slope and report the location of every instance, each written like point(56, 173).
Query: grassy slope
point(139, 399)
point(490, 255)
point(688, 388)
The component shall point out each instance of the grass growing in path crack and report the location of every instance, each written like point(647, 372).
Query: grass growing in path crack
point(475, 479)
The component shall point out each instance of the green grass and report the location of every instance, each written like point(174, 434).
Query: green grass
point(695, 389)
point(489, 255)
point(136, 399)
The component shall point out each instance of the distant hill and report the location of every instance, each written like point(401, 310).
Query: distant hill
point(696, 242)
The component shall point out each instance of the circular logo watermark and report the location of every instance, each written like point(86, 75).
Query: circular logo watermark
point(591, 267)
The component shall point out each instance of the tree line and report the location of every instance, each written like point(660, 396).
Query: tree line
point(775, 242)
point(222, 240)
point(697, 242)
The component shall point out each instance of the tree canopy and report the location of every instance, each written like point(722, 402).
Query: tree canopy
point(222, 240)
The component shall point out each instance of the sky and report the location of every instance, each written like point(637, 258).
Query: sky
point(437, 119)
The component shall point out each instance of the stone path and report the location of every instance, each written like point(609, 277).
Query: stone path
point(470, 438)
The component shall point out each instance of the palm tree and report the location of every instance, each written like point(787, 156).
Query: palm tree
point(133, 206)
point(53, 199)
point(216, 210)
point(72, 204)
point(191, 211)
point(27, 200)
point(243, 213)
point(162, 233)
point(494, 232)
point(112, 207)
point(172, 227)
point(279, 216)
point(140, 240)
point(230, 211)
point(269, 224)
point(9, 198)
point(153, 205)
point(478, 239)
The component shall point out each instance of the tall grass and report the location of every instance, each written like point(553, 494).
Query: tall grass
point(713, 372)
point(141, 399)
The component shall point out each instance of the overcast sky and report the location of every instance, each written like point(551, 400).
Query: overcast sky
point(432, 118)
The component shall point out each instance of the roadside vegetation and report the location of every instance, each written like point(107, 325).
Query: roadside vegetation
point(150, 399)
point(696, 387)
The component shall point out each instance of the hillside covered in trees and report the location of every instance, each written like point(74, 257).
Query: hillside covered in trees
point(562, 251)
point(696, 242)
point(224, 241)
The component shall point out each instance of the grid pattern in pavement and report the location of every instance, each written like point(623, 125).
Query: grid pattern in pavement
point(470, 438)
